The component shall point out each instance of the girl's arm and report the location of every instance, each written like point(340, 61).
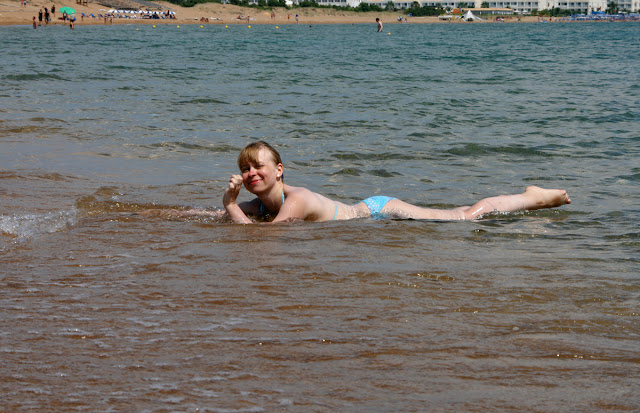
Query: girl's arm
point(229, 201)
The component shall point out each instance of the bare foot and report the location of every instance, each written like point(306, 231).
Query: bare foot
point(545, 198)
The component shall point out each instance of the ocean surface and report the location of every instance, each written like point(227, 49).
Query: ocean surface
point(102, 309)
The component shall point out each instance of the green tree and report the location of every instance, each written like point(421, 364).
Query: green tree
point(485, 5)
point(416, 10)
point(612, 7)
point(368, 7)
point(308, 3)
point(391, 6)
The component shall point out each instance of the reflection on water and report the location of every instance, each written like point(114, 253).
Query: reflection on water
point(105, 308)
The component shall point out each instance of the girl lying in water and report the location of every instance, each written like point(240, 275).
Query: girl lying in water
point(262, 174)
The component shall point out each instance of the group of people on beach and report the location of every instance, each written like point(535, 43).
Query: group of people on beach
point(45, 15)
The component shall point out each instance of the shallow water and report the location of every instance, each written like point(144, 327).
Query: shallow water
point(105, 310)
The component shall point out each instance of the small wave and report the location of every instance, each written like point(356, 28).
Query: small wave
point(120, 67)
point(23, 129)
point(375, 156)
point(31, 129)
point(384, 173)
point(53, 176)
point(131, 88)
point(34, 76)
point(201, 101)
point(46, 120)
point(8, 175)
point(193, 146)
point(28, 226)
point(634, 177)
point(348, 171)
point(473, 149)
point(628, 237)
point(90, 205)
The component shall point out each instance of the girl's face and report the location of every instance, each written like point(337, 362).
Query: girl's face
point(262, 174)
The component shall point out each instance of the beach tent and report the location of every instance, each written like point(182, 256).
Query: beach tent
point(469, 17)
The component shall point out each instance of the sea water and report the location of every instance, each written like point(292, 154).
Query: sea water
point(105, 310)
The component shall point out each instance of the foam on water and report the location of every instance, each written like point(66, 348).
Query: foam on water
point(24, 227)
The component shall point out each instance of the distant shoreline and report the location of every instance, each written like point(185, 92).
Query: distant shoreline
point(13, 13)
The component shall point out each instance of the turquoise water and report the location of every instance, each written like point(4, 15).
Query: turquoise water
point(526, 311)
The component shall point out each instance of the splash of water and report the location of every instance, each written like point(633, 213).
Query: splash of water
point(24, 227)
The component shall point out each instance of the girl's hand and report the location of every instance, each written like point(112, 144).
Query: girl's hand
point(230, 195)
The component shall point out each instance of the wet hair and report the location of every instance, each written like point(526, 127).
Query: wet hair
point(250, 153)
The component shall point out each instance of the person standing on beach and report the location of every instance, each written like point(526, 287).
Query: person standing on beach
point(296, 19)
point(46, 16)
point(40, 14)
point(379, 24)
point(53, 10)
point(35, 23)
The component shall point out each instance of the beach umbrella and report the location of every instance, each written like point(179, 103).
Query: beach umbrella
point(67, 10)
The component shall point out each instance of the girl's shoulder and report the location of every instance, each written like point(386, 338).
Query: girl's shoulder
point(300, 193)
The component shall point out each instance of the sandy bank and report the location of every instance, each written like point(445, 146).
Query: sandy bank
point(13, 13)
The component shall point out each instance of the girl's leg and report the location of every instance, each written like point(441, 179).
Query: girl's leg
point(400, 209)
point(533, 198)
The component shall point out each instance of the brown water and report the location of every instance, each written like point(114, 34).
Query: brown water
point(102, 309)
point(119, 312)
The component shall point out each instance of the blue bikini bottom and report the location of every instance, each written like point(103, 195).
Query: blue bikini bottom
point(375, 205)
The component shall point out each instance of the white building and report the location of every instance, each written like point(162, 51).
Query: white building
point(632, 5)
point(518, 6)
point(341, 3)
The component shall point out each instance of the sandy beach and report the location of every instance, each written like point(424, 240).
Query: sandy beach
point(12, 12)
